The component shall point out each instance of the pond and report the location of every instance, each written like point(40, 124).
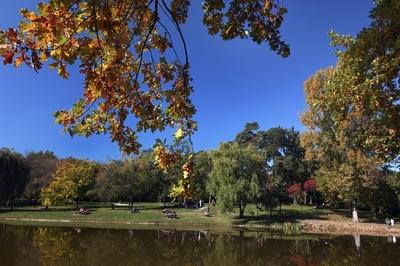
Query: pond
point(46, 245)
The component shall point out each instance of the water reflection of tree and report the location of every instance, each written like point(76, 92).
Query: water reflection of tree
point(21, 245)
point(16, 243)
point(373, 251)
point(59, 246)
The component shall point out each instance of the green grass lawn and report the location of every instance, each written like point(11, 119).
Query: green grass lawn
point(151, 213)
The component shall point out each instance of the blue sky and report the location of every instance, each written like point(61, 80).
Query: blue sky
point(235, 82)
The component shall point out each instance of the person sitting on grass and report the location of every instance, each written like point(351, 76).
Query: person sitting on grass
point(169, 213)
point(83, 211)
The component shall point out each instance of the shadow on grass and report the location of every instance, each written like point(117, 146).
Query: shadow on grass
point(92, 206)
point(52, 209)
point(364, 216)
point(285, 216)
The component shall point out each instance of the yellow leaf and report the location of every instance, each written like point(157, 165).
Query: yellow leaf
point(43, 57)
point(18, 62)
point(63, 72)
point(179, 134)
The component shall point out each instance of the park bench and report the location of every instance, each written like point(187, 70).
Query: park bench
point(116, 204)
point(133, 209)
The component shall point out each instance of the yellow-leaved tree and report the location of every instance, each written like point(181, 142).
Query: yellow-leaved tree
point(353, 115)
point(72, 180)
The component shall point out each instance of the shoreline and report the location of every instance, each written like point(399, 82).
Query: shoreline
point(307, 226)
point(349, 228)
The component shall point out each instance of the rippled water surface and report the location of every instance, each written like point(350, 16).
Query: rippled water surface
point(37, 245)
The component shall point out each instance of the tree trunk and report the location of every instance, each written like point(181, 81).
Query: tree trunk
point(241, 209)
point(131, 202)
point(305, 198)
point(354, 211)
point(185, 204)
point(77, 203)
point(270, 212)
point(280, 208)
point(8, 200)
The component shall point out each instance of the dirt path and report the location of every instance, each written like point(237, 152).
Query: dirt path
point(336, 227)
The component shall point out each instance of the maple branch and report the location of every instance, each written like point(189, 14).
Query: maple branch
point(140, 55)
point(70, 6)
point(88, 108)
point(72, 34)
point(178, 27)
point(130, 11)
point(138, 25)
point(170, 39)
point(151, 56)
point(147, 38)
point(98, 37)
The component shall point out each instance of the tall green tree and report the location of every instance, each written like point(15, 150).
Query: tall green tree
point(385, 196)
point(13, 175)
point(237, 176)
point(42, 167)
point(284, 160)
point(201, 172)
point(111, 184)
point(284, 154)
point(149, 181)
point(131, 179)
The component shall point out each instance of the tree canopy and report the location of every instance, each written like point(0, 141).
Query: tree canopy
point(344, 173)
point(363, 93)
point(284, 154)
point(128, 180)
point(13, 175)
point(72, 180)
point(132, 67)
point(353, 114)
point(42, 166)
point(237, 175)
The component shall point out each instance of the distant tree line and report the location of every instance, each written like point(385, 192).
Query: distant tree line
point(265, 168)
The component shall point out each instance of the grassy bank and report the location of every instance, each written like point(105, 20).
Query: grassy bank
point(151, 214)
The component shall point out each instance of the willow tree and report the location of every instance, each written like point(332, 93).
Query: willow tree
point(133, 57)
point(237, 176)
